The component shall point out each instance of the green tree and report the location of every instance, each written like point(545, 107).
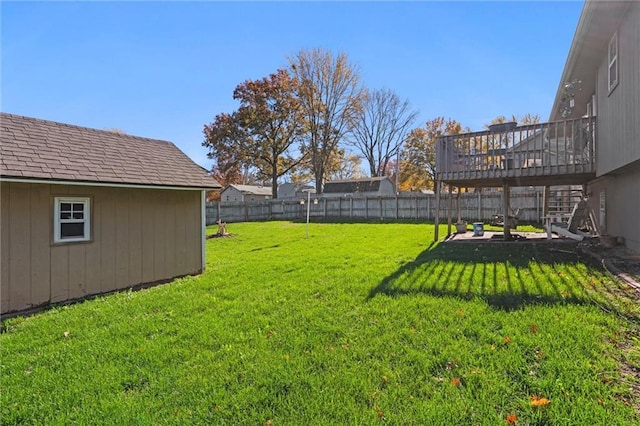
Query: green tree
point(329, 93)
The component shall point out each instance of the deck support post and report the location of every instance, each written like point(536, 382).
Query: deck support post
point(507, 211)
point(458, 206)
point(449, 209)
point(545, 201)
point(437, 212)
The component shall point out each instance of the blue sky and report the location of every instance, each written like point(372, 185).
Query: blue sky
point(164, 69)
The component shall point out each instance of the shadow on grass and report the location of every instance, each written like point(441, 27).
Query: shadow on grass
point(265, 248)
point(368, 221)
point(507, 276)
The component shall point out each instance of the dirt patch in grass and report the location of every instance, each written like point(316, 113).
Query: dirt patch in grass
point(220, 236)
point(618, 260)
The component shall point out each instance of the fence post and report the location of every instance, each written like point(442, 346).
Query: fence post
point(449, 209)
point(437, 212)
point(428, 207)
point(366, 207)
point(397, 207)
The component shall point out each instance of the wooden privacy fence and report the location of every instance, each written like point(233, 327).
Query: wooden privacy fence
point(473, 207)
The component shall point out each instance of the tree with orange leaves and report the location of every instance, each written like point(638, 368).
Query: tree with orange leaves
point(418, 157)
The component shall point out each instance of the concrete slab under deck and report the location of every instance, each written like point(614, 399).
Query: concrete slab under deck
point(497, 237)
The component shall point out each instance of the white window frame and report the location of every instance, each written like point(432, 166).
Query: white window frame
point(58, 221)
point(613, 63)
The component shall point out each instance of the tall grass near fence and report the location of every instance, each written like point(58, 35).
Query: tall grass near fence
point(357, 324)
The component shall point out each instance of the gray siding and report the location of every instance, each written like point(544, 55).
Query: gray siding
point(231, 195)
point(387, 188)
point(619, 112)
point(622, 205)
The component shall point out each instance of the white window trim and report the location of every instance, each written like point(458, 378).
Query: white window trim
point(613, 61)
point(57, 221)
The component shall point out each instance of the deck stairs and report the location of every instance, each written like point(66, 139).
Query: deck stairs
point(579, 222)
point(561, 201)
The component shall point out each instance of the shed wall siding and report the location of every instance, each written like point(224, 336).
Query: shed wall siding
point(138, 236)
point(618, 125)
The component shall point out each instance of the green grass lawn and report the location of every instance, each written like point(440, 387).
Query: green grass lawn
point(358, 324)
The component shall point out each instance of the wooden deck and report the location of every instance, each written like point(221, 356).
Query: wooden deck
point(544, 154)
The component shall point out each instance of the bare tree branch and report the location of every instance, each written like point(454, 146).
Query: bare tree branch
point(329, 94)
point(380, 127)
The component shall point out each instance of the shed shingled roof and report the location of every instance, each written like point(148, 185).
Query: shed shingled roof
point(32, 148)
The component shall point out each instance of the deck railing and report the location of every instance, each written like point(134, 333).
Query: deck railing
point(510, 151)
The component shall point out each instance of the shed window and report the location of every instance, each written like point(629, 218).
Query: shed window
point(71, 220)
point(613, 62)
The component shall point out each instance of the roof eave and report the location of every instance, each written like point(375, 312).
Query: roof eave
point(597, 24)
point(23, 179)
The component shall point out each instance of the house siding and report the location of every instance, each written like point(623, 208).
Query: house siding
point(618, 124)
point(386, 187)
point(622, 193)
point(231, 195)
point(235, 195)
point(137, 236)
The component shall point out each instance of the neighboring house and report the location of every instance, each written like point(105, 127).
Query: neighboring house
point(369, 187)
point(293, 191)
point(592, 139)
point(240, 193)
point(86, 211)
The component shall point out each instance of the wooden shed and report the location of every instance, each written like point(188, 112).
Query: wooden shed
point(87, 211)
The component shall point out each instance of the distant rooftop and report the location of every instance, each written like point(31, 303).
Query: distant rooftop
point(253, 189)
point(353, 185)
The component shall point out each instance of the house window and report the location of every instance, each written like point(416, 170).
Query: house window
point(613, 62)
point(71, 220)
